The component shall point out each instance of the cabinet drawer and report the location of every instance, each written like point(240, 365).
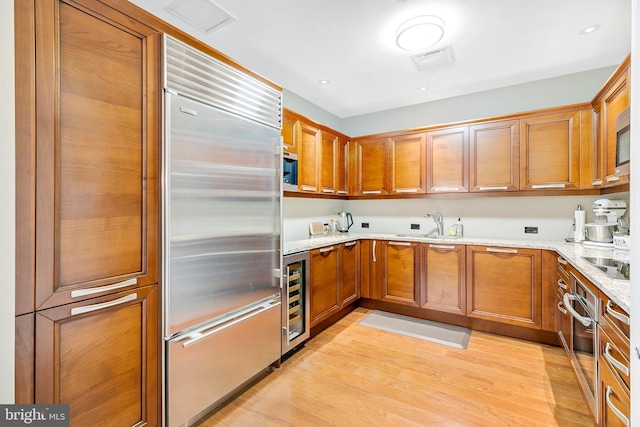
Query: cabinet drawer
point(615, 317)
point(615, 352)
point(615, 404)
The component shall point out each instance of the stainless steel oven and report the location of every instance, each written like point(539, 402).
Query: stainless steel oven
point(582, 303)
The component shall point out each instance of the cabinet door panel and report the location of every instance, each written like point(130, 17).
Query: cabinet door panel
point(308, 175)
point(328, 147)
point(616, 100)
point(443, 278)
point(371, 164)
point(101, 360)
point(494, 153)
point(97, 152)
point(400, 273)
point(408, 162)
point(550, 151)
point(447, 160)
point(503, 285)
point(288, 132)
point(349, 272)
point(342, 167)
point(324, 283)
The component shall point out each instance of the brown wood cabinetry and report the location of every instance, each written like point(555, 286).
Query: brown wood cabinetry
point(308, 137)
point(564, 320)
point(371, 164)
point(448, 160)
point(550, 151)
point(398, 264)
point(288, 132)
point(407, 154)
point(349, 259)
point(342, 167)
point(443, 281)
point(327, 151)
point(607, 106)
point(494, 156)
point(324, 283)
point(549, 291)
point(504, 285)
point(101, 357)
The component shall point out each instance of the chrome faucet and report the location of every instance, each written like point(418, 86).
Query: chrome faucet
point(438, 219)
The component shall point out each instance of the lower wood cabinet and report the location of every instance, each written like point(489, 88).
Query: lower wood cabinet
point(399, 272)
point(101, 357)
point(334, 279)
point(504, 285)
point(443, 282)
point(615, 403)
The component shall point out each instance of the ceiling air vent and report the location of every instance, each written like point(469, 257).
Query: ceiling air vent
point(433, 58)
point(202, 14)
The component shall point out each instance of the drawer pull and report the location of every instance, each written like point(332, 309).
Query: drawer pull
point(562, 261)
point(497, 187)
point(328, 190)
point(562, 285)
point(621, 317)
point(407, 190)
point(542, 186)
point(307, 188)
point(94, 307)
point(502, 251)
point(91, 291)
point(561, 308)
point(348, 244)
point(372, 192)
point(445, 188)
point(615, 410)
point(442, 246)
point(327, 249)
point(616, 363)
point(400, 243)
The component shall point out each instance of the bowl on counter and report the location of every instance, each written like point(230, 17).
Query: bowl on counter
point(602, 233)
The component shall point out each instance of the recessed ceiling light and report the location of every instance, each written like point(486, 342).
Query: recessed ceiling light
point(590, 29)
point(423, 88)
point(324, 82)
point(420, 32)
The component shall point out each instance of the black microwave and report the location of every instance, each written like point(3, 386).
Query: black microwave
point(623, 143)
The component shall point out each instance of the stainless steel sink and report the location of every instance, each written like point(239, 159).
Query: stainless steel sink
point(612, 267)
point(427, 236)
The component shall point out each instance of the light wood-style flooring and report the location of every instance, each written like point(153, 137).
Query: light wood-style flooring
point(352, 375)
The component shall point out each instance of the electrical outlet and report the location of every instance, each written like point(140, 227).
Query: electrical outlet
point(365, 225)
point(415, 226)
point(531, 230)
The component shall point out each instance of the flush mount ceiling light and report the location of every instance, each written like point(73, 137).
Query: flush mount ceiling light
point(420, 32)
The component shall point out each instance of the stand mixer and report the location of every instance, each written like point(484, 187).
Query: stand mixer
point(607, 218)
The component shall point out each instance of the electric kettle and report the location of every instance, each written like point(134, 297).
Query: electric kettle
point(345, 221)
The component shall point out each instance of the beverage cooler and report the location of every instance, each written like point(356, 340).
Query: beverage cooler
point(295, 301)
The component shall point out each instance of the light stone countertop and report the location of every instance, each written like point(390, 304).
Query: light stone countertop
point(618, 290)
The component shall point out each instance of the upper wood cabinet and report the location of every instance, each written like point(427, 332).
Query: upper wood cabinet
point(550, 151)
point(342, 167)
point(328, 146)
point(443, 284)
point(288, 132)
point(494, 156)
point(371, 164)
point(448, 160)
point(407, 154)
point(608, 106)
point(308, 142)
point(504, 285)
point(96, 152)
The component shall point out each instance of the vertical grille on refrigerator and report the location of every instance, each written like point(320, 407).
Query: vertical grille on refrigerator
point(295, 304)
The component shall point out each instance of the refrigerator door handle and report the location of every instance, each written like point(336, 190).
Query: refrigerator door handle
point(195, 337)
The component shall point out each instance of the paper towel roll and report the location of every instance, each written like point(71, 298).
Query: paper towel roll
point(579, 220)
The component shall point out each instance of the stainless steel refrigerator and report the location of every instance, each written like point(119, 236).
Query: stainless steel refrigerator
point(221, 231)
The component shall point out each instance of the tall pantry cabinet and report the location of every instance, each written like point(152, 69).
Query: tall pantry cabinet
point(87, 330)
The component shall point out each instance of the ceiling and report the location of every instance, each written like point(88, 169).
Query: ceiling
point(351, 43)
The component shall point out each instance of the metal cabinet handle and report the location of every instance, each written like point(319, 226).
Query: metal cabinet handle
point(615, 410)
point(200, 335)
point(348, 244)
point(612, 178)
point(567, 298)
point(562, 261)
point(400, 243)
point(91, 291)
point(502, 251)
point(327, 249)
point(442, 246)
point(596, 182)
point(542, 186)
point(372, 192)
point(307, 188)
point(94, 307)
point(562, 285)
point(374, 250)
point(616, 363)
point(328, 190)
point(407, 190)
point(445, 188)
point(560, 308)
point(497, 187)
point(621, 317)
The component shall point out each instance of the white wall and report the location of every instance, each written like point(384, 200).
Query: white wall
point(7, 201)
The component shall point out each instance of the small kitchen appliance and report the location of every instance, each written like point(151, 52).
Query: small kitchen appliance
point(607, 214)
point(345, 221)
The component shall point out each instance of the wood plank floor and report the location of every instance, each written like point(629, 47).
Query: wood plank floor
point(352, 375)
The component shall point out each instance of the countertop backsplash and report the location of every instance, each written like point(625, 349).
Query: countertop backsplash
point(484, 217)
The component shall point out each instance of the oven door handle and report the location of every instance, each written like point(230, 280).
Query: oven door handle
point(567, 298)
